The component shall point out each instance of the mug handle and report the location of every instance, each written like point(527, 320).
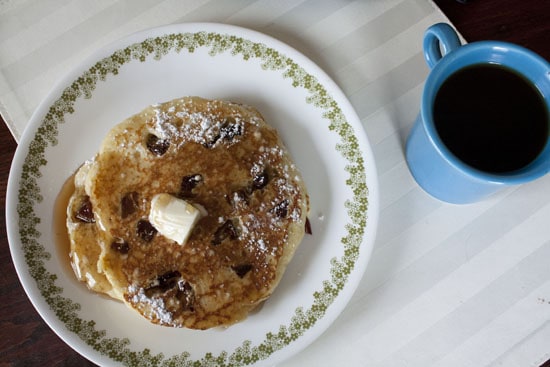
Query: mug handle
point(440, 36)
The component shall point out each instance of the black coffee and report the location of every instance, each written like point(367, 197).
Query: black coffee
point(491, 118)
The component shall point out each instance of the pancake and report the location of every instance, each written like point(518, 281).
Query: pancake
point(220, 157)
point(84, 247)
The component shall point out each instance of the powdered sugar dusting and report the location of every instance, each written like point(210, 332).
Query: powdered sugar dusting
point(156, 308)
point(184, 123)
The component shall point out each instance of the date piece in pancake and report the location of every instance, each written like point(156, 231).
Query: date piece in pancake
point(222, 158)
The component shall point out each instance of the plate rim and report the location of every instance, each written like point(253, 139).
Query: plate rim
point(370, 192)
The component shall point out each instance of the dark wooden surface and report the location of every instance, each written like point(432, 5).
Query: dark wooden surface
point(25, 340)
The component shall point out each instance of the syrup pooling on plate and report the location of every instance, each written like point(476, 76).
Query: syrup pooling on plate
point(217, 156)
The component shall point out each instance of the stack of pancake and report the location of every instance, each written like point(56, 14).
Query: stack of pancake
point(218, 156)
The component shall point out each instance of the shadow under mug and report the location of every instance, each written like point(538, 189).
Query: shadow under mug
point(434, 167)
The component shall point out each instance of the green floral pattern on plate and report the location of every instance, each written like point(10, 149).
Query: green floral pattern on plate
point(29, 194)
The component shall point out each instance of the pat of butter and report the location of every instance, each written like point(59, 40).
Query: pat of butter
point(174, 218)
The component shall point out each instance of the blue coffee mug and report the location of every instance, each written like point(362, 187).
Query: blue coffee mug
point(434, 167)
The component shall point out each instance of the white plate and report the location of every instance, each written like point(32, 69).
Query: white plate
point(317, 123)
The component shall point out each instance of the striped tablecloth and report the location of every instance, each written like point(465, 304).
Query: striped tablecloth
point(447, 285)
